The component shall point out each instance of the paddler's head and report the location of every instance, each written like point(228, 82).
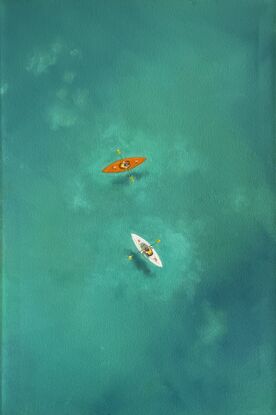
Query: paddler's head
point(125, 164)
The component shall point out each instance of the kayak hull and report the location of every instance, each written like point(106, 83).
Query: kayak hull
point(138, 242)
point(116, 166)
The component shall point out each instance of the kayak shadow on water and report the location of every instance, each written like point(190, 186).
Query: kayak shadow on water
point(123, 179)
point(141, 264)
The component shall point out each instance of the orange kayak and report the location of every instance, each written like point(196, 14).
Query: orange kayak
point(125, 164)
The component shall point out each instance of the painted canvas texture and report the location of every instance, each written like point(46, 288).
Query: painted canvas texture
point(180, 96)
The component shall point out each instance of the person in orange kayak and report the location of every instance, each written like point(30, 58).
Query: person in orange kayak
point(125, 164)
point(147, 249)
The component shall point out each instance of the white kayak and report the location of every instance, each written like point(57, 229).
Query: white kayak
point(140, 244)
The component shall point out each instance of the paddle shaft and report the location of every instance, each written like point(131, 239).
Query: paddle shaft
point(143, 251)
point(128, 169)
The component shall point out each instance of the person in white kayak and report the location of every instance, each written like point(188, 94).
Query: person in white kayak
point(146, 249)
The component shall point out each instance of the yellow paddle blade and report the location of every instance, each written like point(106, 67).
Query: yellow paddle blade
point(158, 240)
point(130, 257)
point(118, 151)
point(131, 179)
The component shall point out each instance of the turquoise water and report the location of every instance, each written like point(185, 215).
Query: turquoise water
point(189, 85)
